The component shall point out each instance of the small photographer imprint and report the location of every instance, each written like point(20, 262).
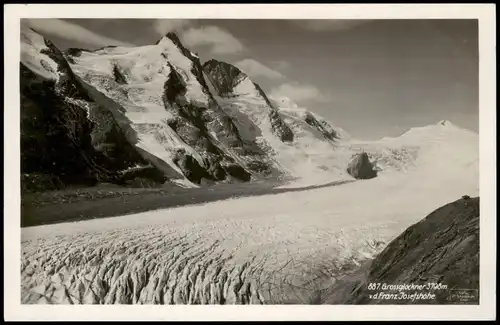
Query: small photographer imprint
point(464, 295)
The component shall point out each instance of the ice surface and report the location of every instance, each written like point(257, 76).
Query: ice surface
point(166, 251)
point(231, 251)
point(146, 70)
point(224, 252)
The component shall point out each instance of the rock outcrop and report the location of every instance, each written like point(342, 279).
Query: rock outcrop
point(195, 124)
point(91, 115)
point(360, 167)
point(226, 78)
point(85, 136)
point(440, 253)
point(66, 137)
point(321, 125)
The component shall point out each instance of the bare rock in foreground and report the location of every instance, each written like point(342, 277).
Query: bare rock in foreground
point(439, 253)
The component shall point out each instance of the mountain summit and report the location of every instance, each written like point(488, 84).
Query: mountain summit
point(153, 108)
point(154, 113)
point(445, 123)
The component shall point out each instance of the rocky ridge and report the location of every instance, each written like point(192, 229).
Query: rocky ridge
point(119, 110)
point(439, 253)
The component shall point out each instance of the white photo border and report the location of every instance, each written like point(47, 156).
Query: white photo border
point(485, 13)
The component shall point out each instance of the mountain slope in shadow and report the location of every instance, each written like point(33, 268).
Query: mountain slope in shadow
point(439, 253)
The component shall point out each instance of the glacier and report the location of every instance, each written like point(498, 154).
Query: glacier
point(176, 113)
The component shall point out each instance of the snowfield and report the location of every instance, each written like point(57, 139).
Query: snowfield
point(253, 250)
point(250, 250)
point(130, 83)
point(146, 72)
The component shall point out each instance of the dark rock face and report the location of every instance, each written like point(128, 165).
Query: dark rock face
point(214, 117)
point(66, 137)
point(174, 86)
point(327, 131)
point(144, 172)
point(49, 145)
point(190, 167)
point(259, 167)
point(214, 169)
point(280, 128)
point(360, 167)
point(191, 124)
point(38, 182)
point(73, 51)
point(70, 134)
point(225, 77)
point(237, 172)
point(443, 248)
point(119, 77)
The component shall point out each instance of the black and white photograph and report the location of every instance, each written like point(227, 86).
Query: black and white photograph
point(251, 160)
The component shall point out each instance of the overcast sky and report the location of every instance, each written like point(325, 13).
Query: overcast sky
point(372, 78)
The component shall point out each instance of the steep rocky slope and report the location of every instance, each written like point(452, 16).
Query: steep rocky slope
point(163, 93)
point(230, 82)
point(156, 107)
point(115, 114)
point(439, 253)
point(155, 112)
point(66, 136)
point(293, 140)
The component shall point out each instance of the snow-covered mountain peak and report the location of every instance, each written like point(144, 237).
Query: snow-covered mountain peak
point(445, 123)
point(172, 38)
point(443, 130)
point(196, 122)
